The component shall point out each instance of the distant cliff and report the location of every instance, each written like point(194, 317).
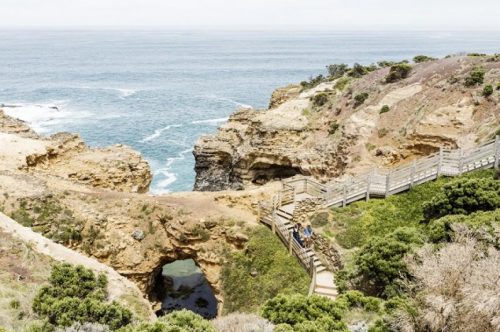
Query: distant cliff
point(359, 118)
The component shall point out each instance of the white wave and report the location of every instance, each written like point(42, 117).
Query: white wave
point(43, 118)
point(157, 133)
point(211, 121)
point(169, 177)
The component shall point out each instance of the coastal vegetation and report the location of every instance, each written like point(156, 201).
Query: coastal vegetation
point(76, 295)
point(422, 58)
point(475, 77)
point(398, 72)
point(264, 270)
point(388, 243)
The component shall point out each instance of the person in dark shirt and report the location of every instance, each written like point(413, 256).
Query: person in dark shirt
point(296, 234)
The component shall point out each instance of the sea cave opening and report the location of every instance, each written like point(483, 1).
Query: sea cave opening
point(263, 172)
point(182, 285)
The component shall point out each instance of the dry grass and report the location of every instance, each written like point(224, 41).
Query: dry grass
point(459, 288)
point(238, 322)
point(22, 272)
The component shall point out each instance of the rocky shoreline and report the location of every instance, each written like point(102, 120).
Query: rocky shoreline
point(347, 125)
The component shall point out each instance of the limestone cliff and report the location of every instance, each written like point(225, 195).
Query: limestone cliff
point(91, 201)
point(66, 155)
point(348, 125)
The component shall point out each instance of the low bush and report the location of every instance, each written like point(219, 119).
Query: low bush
point(342, 83)
point(498, 86)
point(384, 109)
point(357, 71)
point(333, 128)
point(320, 99)
point(262, 271)
point(482, 224)
point(76, 295)
point(355, 299)
point(337, 70)
point(475, 77)
point(487, 90)
point(379, 263)
point(177, 321)
point(422, 58)
point(398, 72)
point(464, 196)
point(313, 81)
point(305, 313)
point(360, 99)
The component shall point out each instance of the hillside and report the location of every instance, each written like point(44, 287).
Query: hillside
point(353, 119)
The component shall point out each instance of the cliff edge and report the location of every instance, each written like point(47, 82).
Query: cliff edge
point(346, 124)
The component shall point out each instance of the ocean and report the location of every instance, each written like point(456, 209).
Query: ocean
point(158, 91)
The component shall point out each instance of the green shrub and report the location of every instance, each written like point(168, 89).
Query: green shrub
point(498, 86)
point(319, 219)
point(482, 223)
point(464, 196)
point(333, 128)
point(313, 81)
point(384, 109)
point(177, 321)
point(342, 83)
point(384, 63)
point(360, 98)
point(320, 99)
point(337, 70)
point(380, 261)
point(422, 58)
point(303, 313)
point(476, 54)
point(476, 77)
point(76, 295)
point(487, 90)
point(398, 72)
point(265, 266)
point(356, 299)
point(357, 71)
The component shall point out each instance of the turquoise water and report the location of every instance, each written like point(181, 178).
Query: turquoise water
point(159, 91)
point(182, 285)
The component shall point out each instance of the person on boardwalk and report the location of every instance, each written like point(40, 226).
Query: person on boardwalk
point(308, 233)
point(296, 234)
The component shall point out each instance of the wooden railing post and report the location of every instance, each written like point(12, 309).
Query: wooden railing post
point(273, 223)
point(290, 239)
point(412, 174)
point(460, 161)
point(497, 151)
point(368, 184)
point(311, 264)
point(388, 183)
point(440, 162)
point(344, 195)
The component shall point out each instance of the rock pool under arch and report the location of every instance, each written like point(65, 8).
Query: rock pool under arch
point(182, 285)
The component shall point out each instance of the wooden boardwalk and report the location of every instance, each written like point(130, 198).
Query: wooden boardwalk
point(278, 213)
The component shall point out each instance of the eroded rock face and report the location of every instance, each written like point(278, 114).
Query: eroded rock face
point(66, 155)
point(429, 109)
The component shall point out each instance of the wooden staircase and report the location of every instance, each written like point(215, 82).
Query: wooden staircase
point(278, 213)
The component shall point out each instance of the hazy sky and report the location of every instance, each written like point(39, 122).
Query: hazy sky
point(301, 14)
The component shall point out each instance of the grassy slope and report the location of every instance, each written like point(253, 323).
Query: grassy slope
point(353, 225)
point(23, 272)
point(263, 271)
